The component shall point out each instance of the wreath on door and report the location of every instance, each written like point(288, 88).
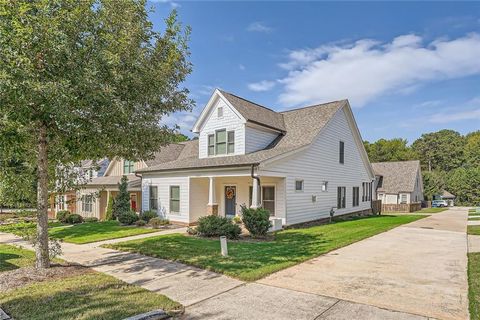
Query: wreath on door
point(230, 193)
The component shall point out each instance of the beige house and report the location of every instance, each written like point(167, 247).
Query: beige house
point(398, 182)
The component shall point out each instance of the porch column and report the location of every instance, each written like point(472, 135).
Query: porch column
point(212, 206)
point(255, 195)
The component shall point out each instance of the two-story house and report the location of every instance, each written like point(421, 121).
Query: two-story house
point(298, 164)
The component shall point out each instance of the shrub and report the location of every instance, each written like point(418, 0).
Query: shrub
point(140, 223)
point(147, 215)
point(90, 219)
point(215, 226)
point(128, 217)
point(256, 221)
point(157, 222)
point(109, 212)
point(74, 218)
point(62, 215)
point(121, 204)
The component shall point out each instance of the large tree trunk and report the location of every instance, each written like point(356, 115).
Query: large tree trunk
point(41, 249)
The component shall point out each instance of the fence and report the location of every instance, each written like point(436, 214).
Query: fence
point(403, 207)
point(376, 206)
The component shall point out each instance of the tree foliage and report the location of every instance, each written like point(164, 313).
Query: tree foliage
point(472, 149)
point(433, 183)
point(464, 183)
point(389, 150)
point(85, 80)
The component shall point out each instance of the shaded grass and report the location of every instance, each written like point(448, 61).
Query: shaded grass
point(81, 233)
point(475, 230)
point(472, 211)
point(474, 285)
point(12, 257)
point(254, 260)
point(90, 296)
point(96, 231)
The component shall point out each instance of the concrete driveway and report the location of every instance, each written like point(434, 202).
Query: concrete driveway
point(419, 268)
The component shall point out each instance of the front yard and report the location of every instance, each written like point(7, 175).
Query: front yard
point(474, 284)
point(69, 292)
point(82, 233)
point(252, 260)
point(475, 230)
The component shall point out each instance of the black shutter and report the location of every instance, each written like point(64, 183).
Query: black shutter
point(342, 152)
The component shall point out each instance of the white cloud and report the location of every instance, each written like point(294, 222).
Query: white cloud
point(172, 4)
point(366, 69)
point(261, 86)
point(458, 113)
point(259, 27)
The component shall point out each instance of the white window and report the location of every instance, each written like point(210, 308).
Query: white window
point(324, 186)
point(60, 202)
point(223, 142)
point(231, 142)
point(403, 198)
point(298, 185)
point(174, 199)
point(220, 112)
point(127, 166)
point(87, 203)
point(211, 144)
point(153, 198)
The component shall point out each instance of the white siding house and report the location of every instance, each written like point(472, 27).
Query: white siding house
point(299, 164)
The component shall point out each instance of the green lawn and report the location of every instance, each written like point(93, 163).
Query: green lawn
point(431, 210)
point(13, 258)
point(475, 230)
point(472, 211)
point(474, 285)
point(89, 296)
point(83, 232)
point(253, 260)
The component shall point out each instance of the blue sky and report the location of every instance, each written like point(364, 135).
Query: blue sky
point(406, 68)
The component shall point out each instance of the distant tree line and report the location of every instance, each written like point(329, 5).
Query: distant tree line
point(450, 161)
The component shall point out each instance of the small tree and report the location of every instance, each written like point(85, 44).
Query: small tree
point(122, 200)
point(256, 221)
point(109, 212)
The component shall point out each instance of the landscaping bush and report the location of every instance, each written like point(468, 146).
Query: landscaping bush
point(128, 218)
point(74, 218)
point(90, 219)
point(215, 226)
point(109, 212)
point(158, 222)
point(62, 215)
point(147, 215)
point(140, 223)
point(256, 221)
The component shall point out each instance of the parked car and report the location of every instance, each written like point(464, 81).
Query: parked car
point(439, 203)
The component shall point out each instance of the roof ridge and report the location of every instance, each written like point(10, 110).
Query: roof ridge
point(313, 105)
point(399, 161)
point(249, 101)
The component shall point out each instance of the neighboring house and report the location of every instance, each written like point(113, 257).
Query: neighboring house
point(297, 164)
point(398, 182)
point(94, 195)
point(84, 173)
point(445, 195)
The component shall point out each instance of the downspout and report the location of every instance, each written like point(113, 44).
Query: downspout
point(252, 174)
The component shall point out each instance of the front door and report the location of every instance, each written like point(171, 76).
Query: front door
point(230, 201)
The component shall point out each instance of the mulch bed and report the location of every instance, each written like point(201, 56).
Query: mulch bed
point(23, 276)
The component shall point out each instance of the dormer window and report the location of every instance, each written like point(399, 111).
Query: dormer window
point(222, 142)
point(127, 166)
point(219, 112)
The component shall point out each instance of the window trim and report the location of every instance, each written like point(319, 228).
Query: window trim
point(87, 206)
point(170, 200)
point(303, 185)
point(211, 145)
point(220, 112)
point(231, 142)
point(274, 186)
point(228, 142)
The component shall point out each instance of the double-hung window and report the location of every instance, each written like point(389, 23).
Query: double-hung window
point(174, 199)
point(153, 198)
point(356, 196)
point(341, 197)
point(127, 166)
point(223, 142)
point(87, 203)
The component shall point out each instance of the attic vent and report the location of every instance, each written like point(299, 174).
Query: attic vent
point(220, 112)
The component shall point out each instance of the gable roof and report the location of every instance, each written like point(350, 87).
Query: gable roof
point(302, 127)
point(398, 176)
point(253, 112)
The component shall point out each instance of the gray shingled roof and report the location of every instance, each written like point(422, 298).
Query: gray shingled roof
point(302, 126)
point(399, 176)
point(256, 113)
point(112, 180)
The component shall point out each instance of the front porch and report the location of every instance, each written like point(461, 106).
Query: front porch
point(224, 195)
